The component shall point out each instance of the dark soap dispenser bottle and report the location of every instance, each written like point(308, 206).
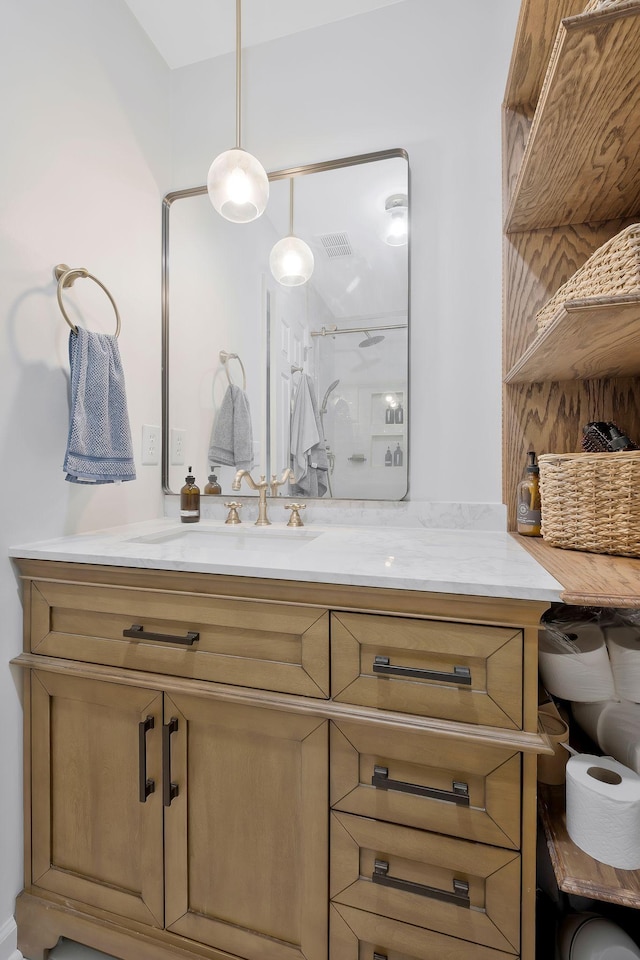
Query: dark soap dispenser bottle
point(528, 509)
point(190, 500)
point(388, 458)
point(213, 487)
point(397, 456)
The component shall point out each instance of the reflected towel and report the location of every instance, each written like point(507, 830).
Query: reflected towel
point(99, 447)
point(308, 449)
point(232, 436)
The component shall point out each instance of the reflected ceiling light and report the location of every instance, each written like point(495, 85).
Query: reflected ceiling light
point(237, 184)
point(291, 259)
point(397, 220)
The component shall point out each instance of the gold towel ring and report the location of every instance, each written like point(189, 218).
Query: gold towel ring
point(66, 277)
point(224, 357)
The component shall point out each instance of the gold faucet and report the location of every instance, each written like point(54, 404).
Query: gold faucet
point(261, 487)
point(275, 483)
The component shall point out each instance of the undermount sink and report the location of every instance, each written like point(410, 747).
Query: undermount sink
point(231, 538)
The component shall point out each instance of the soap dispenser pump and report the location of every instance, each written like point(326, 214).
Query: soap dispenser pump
point(213, 487)
point(190, 500)
point(529, 513)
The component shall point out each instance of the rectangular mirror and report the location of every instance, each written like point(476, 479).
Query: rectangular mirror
point(324, 365)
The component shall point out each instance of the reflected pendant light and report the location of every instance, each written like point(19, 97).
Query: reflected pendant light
point(291, 259)
point(397, 223)
point(237, 184)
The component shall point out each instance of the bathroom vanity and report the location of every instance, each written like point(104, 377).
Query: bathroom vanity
point(339, 763)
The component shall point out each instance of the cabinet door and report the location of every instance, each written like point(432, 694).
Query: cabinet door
point(246, 839)
point(94, 840)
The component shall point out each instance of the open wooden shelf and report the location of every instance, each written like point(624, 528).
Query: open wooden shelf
point(589, 579)
point(594, 337)
point(535, 35)
point(576, 872)
point(581, 159)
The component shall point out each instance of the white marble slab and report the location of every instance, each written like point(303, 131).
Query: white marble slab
point(370, 513)
point(488, 563)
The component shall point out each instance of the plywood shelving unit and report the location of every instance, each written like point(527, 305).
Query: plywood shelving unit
point(571, 181)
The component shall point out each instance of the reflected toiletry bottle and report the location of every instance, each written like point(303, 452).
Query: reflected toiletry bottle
point(397, 456)
point(528, 515)
point(190, 500)
point(213, 488)
point(389, 415)
point(388, 458)
point(399, 414)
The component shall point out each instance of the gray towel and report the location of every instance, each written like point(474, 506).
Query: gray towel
point(99, 448)
point(308, 449)
point(232, 438)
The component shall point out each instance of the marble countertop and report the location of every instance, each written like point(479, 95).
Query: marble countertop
point(478, 563)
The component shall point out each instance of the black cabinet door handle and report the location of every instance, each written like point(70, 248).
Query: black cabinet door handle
point(146, 786)
point(139, 633)
point(169, 790)
point(459, 793)
point(461, 675)
point(459, 896)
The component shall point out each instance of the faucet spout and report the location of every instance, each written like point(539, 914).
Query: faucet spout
point(261, 487)
point(275, 483)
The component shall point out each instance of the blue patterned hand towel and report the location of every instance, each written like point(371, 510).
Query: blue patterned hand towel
point(99, 448)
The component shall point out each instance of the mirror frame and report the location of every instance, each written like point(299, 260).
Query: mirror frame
point(284, 174)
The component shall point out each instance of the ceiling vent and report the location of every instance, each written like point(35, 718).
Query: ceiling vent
point(336, 245)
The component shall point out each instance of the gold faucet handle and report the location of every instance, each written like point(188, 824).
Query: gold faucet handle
point(233, 512)
point(295, 519)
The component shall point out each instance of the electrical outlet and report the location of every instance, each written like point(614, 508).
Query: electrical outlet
point(178, 444)
point(150, 444)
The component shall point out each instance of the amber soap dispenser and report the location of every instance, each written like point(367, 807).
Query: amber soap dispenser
point(529, 516)
point(190, 500)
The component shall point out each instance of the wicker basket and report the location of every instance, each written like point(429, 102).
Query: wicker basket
point(613, 270)
point(591, 501)
point(601, 5)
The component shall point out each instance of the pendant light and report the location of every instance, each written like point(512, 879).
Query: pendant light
point(397, 226)
point(237, 184)
point(291, 259)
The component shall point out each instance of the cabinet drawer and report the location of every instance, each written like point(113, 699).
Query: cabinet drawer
point(462, 889)
point(421, 780)
point(254, 644)
point(454, 671)
point(356, 935)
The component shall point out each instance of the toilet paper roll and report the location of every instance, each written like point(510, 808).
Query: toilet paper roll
point(624, 653)
point(587, 715)
point(578, 670)
point(603, 810)
point(551, 768)
point(619, 733)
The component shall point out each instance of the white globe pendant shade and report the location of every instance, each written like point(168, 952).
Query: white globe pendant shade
point(291, 261)
point(238, 186)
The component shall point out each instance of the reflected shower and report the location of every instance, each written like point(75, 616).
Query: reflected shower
point(330, 389)
point(370, 341)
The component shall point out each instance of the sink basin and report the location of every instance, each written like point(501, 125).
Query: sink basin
point(230, 539)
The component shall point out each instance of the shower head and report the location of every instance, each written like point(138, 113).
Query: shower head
point(330, 388)
point(369, 342)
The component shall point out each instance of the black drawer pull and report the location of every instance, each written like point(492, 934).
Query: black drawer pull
point(460, 895)
point(139, 633)
point(459, 794)
point(460, 675)
point(146, 786)
point(169, 790)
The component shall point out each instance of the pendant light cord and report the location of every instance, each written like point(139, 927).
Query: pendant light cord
point(238, 69)
point(290, 206)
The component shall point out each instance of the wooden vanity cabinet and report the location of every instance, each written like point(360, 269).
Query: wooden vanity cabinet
point(170, 816)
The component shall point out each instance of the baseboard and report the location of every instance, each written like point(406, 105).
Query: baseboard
point(8, 941)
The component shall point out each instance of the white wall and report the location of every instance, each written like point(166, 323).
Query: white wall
point(424, 75)
point(83, 167)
